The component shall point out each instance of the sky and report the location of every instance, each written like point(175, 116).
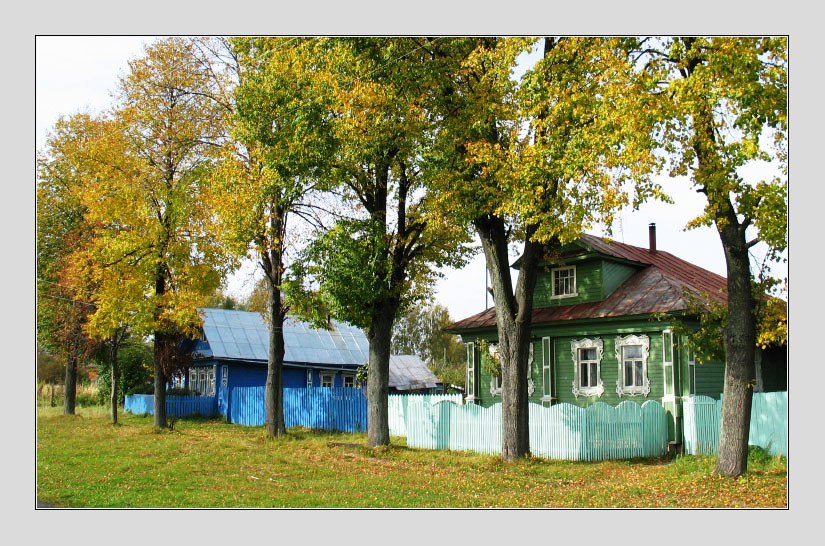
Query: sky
point(78, 74)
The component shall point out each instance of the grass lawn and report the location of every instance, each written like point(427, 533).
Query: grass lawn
point(84, 461)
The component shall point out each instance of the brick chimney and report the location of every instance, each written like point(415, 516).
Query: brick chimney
point(652, 231)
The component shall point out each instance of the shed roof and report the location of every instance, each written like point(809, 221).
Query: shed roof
point(657, 287)
point(244, 335)
point(409, 372)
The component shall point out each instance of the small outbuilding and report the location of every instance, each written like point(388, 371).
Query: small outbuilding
point(410, 375)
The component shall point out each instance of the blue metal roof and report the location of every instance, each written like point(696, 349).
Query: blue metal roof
point(244, 335)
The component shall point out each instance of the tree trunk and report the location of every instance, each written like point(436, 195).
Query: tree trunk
point(114, 380)
point(378, 375)
point(740, 351)
point(513, 320)
point(160, 381)
point(740, 332)
point(160, 354)
point(274, 390)
point(273, 267)
point(70, 394)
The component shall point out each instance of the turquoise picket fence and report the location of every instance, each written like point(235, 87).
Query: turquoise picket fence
point(342, 409)
point(769, 423)
point(563, 431)
point(397, 405)
point(176, 406)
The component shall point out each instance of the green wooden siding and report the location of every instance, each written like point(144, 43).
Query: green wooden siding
point(710, 378)
point(588, 285)
point(609, 371)
point(613, 275)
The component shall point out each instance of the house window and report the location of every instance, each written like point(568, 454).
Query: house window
point(327, 380)
point(193, 380)
point(224, 376)
point(667, 361)
point(349, 381)
point(632, 353)
point(587, 358)
point(495, 381)
point(309, 378)
point(471, 372)
point(547, 391)
point(210, 382)
point(564, 281)
point(201, 381)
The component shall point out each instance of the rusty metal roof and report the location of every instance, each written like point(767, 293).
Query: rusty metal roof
point(658, 287)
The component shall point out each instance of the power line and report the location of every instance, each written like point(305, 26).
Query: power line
point(67, 299)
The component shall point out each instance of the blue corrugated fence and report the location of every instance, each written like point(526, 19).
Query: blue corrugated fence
point(343, 409)
point(176, 406)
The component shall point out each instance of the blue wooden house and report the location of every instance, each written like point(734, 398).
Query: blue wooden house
point(233, 349)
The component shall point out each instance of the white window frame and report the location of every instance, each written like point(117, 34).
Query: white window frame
point(668, 365)
point(598, 389)
point(328, 376)
point(630, 341)
point(193, 379)
point(201, 381)
point(471, 373)
point(546, 365)
point(224, 376)
point(348, 378)
point(210, 381)
point(495, 382)
point(553, 273)
point(309, 378)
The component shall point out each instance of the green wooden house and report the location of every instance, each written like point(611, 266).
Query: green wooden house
point(598, 336)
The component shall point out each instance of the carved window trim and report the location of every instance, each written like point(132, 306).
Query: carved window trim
point(587, 343)
point(628, 341)
point(495, 382)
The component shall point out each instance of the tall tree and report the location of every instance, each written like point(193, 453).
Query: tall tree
point(728, 110)
point(383, 256)
point(62, 307)
point(271, 165)
point(537, 162)
point(155, 256)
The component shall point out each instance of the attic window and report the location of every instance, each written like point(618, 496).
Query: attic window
point(564, 282)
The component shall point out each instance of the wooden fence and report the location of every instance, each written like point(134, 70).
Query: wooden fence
point(398, 403)
point(326, 408)
point(563, 431)
point(769, 423)
point(176, 406)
